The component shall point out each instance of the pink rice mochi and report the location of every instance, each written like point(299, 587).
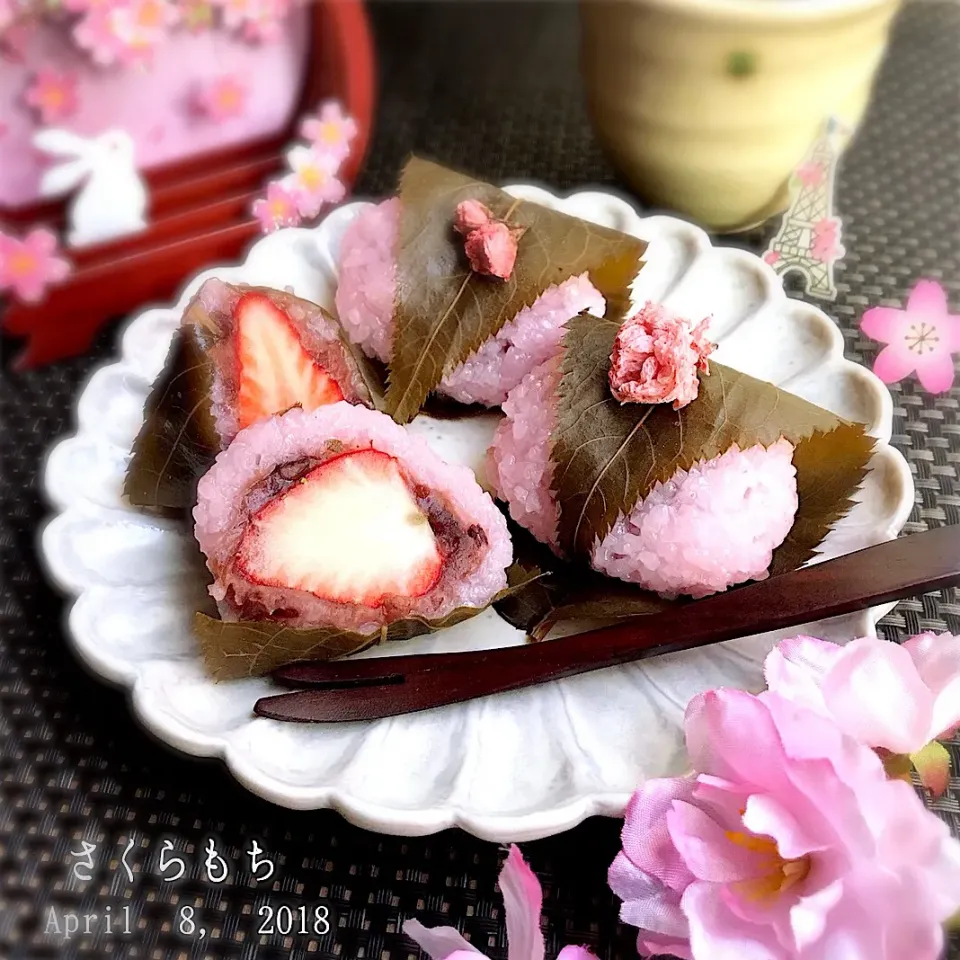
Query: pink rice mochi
point(368, 276)
point(225, 503)
point(702, 531)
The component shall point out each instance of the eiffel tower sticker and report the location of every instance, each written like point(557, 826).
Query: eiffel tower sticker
point(808, 241)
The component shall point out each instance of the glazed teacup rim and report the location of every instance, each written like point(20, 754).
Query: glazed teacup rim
point(763, 11)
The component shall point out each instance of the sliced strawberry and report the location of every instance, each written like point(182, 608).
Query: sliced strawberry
point(276, 373)
point(350, 531)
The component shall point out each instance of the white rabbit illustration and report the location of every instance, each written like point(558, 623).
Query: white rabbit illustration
point(113, 199)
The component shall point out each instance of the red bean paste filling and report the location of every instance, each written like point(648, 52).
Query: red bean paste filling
point(461, 548)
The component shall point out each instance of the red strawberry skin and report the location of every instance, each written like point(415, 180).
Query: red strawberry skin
point(275, 372)
point(349, 531)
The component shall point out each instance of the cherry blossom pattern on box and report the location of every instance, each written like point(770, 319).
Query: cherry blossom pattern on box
point(53, 95)
point(126, 32)
point(921, 338)
point(222, 98)
point(29, 265)
point(311, 183)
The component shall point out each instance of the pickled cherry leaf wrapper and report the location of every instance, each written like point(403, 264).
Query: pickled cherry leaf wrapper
point(233, 649)
point(609, 455)
point(443, 312)
point(179, 439)
point(569, 591)
point(830, 467)
point(371, 372)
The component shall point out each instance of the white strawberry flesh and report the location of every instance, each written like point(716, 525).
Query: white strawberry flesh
point(349, 531)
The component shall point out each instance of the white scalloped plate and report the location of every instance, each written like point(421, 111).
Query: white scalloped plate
point(512, 767)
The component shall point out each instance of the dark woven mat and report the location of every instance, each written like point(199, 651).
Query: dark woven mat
point(492, 88)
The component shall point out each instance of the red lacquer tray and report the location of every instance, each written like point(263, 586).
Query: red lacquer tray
point(199, 208)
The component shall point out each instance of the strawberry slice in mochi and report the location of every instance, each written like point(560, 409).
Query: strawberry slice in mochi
point(350, 531)
point(276, 372)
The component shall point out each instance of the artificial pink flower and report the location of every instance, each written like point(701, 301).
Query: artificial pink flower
point(656, 356)
point(522, 902)
point(811, 173)
point(825, 245)
point(330, 131)
point(278, 209)
point(898, 699)
point(30, 265)
point(922, 337)
point(223, 98)
point(787, 843)
point(313, 180)
point(53, 95)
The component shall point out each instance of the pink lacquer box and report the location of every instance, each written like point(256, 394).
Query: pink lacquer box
point(201, 177)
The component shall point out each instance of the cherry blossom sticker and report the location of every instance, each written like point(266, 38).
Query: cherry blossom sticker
point(921, 338)
point(312, 182)
point(278, 209)
point(30, 265)
point(330, 132)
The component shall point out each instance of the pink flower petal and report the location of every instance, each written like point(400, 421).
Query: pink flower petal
point(647, 947)
point(439, 943)
point(645, 836)
point(647, 903)
point(937, 660)
point(885, 324)
point(876, 696)
point(707, 848)
point(576, 953)
point(766, 816)
point(795, 668)
point(894, 363)
point(810, 915)
point(935, 371)
point(717, 933)
point(927, 298)
point(730, 734)
point(522, 902)
point(40, 241)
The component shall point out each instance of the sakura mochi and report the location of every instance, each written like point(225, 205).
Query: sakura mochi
point(365, 303)
point(242, 355)
point(702, 531)
point(339, 517)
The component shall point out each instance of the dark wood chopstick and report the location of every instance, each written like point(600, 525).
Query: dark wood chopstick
point(389, 686)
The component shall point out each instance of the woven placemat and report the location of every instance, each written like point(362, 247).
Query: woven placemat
point(492, 88)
